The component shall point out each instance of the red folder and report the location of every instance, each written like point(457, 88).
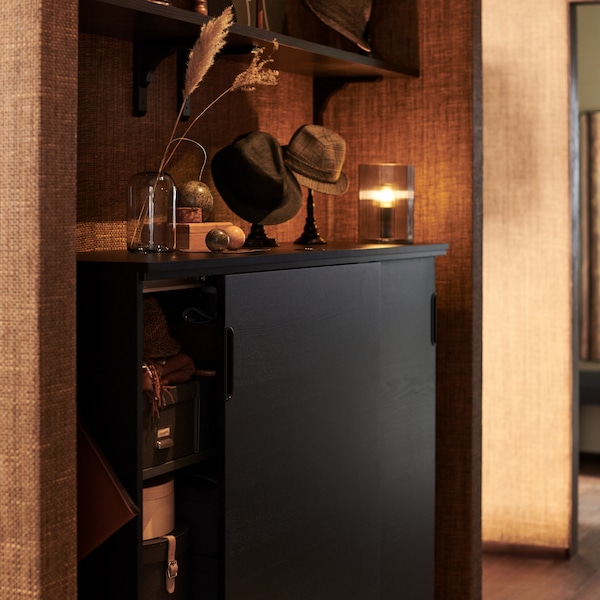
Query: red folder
point(103, 505)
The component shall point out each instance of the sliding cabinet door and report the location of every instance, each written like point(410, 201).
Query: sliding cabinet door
point(302, 506)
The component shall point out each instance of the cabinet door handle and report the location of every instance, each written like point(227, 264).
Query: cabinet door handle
point(229, 348)
point(433, 319)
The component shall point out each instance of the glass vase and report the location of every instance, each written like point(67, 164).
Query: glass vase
point(151, 213)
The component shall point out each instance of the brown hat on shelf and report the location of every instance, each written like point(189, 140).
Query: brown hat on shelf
point(157, 341)
point(316, 155)
point(348, 17)
point(254, 181)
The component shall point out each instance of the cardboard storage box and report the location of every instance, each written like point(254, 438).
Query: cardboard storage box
point(158, 507)
point(175, 433)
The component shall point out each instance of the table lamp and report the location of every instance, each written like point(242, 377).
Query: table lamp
point(386, 203)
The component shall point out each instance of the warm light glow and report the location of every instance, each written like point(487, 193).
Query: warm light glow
point(386, 195)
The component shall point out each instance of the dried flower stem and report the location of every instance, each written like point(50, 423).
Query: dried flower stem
point(210, 42)
point(169, 155)
point(202, 55)
point(255, 74)
point(204, 154)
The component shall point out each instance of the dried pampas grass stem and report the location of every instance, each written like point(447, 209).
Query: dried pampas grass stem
point(257, 73)
point(211, 41)
point(202, 56)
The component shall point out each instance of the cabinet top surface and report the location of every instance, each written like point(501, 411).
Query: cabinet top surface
point(285, 256)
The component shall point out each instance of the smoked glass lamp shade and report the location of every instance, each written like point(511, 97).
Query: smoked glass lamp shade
point(386, 203)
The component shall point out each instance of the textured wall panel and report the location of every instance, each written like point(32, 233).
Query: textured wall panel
point(38, 82)
point(527, 328)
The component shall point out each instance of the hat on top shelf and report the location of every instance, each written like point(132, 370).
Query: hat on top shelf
point(348, 17)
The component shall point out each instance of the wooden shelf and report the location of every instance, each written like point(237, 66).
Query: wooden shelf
point(145, 21)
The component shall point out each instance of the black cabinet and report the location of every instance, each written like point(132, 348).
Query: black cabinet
point(317, 471)
point(407, 428)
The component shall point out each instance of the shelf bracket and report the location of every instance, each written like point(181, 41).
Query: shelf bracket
point(146, 58)
point(325, 87)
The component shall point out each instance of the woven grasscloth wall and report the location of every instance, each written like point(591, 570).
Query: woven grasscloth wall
point(432, 122)
point(38, 82)
point(527, 325)
point(589, 160)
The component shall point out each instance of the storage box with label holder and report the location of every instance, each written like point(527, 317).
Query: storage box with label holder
point(175, 432)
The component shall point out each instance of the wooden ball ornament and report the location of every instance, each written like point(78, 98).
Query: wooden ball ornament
point(237, 237)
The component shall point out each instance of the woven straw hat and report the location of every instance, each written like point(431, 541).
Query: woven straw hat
point(316, 155)
point(254, 181)
point(348, 17)
point(157, 341)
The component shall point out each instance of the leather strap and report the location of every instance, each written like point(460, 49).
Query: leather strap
point(172, 567)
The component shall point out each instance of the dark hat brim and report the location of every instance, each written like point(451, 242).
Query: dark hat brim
point(241, 197)
point(340, 20)
point(334, 189)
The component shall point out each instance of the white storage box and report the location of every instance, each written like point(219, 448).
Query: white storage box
point(158, 507)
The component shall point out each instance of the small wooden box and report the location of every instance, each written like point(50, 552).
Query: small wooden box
point(191, 237)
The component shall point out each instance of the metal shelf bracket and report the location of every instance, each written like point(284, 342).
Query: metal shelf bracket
point(146, 58)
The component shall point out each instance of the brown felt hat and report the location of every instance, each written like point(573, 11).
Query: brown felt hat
point(157, 341)
point(348, 17)
point(253, 180)
point(316, 155)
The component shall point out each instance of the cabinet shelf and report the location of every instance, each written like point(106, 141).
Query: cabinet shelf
point(179, 463)
point(145, 21)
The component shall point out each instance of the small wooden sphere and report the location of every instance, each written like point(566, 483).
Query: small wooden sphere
point(237, 237)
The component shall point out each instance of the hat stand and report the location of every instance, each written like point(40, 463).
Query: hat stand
point(310, 235)
point(257, 238)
